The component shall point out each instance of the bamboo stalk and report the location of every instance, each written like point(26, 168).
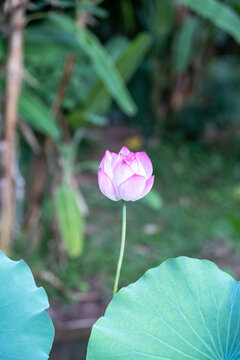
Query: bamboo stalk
point(13, 88)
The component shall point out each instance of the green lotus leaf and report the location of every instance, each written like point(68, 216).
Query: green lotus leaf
point(183, 309)
point(26, 331)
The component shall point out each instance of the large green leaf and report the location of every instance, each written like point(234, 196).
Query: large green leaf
point(26, 331)
point(106, 70)
point(49, 40)
point(127, 62)
point(183, 309)
point(35, 112)
point(70, 219)
point(101, 62)
point(220, 14)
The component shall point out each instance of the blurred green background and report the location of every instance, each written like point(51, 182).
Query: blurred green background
point(78, 77)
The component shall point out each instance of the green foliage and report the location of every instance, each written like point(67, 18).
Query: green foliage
point(48, 43)
point(58, 35)
point(183, 309)
point(234, 222)
point(159, 18)
point(70, 219)
point(220, 14)
point(26, 330)
point(84, 118)
point(46, 38)
point(94, 10)
point(36, 113)
point(183, 45)
point(127, 61)
point(104, 67)
point(134, 53)
point(217, 104)
point(101, 62)
point(153, 200)
point(2, 48)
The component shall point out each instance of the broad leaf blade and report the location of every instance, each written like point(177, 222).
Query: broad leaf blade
point(105, 69)
point(35, 112)
point(26, 330)
point(70, 219)
point(81, 118)
point(53, 40)
point(127, 62)
point(102, 63)
point(220, 14)
point(183, 309)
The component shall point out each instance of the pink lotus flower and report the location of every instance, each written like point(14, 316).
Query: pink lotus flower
point(126, 175)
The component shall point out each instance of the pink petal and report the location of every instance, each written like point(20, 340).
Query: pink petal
point(148, 187)
point(106, 186)
point(134, 164)
point(117, 161)
point(131, 188)
point(124, 151)
point(107, 163)
point(146, 163)
point(122, 172)
point(137, 167)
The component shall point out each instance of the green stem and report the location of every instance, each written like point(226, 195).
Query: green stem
point(123, 239)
